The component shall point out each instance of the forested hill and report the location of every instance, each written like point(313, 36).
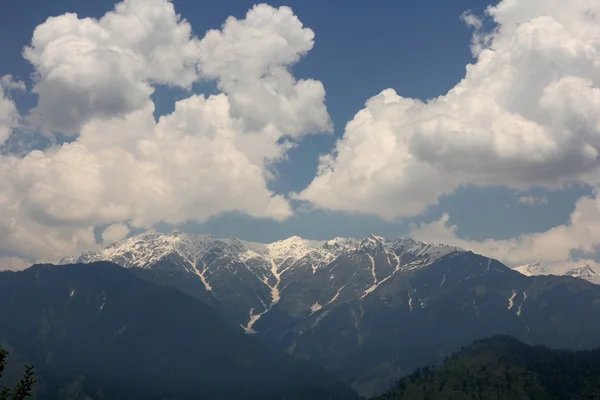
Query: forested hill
point(503, 368)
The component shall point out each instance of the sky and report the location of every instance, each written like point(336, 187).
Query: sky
point(462, 122)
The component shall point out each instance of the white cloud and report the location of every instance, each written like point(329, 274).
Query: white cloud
point(249, 59)
point(209, 156)
point(525, 115)
point(9, 83)
point(530, 200)
point(103, 68)
point(554, 247)
point(13, 264)
point(113, 233)
point(9, 115)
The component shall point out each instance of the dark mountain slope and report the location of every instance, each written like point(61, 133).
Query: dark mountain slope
point(422, 316)
point(369, 310)
point(98, 331)
point(503, 368)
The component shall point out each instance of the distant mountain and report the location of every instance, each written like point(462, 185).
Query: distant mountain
point(582, 272)
point(99, 332)
point(532, 269)
point(248, 279)
point(370, 310)
point(503, 368)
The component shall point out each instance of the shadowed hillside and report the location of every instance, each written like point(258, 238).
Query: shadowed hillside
point(503, 368)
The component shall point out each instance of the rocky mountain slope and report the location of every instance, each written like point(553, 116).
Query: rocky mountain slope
point(532, 269)
point(584, 272)
point(99, 332)
point(248, 279)
point(369, 310)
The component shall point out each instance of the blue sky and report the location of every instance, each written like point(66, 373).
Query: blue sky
point(420, 49)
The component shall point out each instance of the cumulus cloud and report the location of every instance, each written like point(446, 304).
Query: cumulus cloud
point(249, 59)
point(113, 233)
point(9, 115)
point(211, 155)
point(89, 68)
point(554, 247)
point(524, 116)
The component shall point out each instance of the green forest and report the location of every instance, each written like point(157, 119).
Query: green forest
point(503, 368)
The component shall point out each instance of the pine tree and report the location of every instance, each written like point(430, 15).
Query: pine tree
point(24, 386)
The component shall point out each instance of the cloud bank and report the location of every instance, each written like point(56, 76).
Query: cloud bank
point(123, 169)
point(554, 248)
point(524, 116)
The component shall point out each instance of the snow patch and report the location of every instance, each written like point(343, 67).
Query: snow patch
point(511, 300)
point(275, 297)
point(315, 307)
point(521, 305)
point(372, 269)
point(532, 269)
point(202, 275)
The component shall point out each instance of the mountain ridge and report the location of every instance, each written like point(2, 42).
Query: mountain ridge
point(368, 310)
point(583, 272)
point(268, 267)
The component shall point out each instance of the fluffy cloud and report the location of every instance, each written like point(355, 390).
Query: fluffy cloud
point(249, 58)
point(9, 115)
point(525, 115)
point(114, 232)
point(554, 248)
point(89, 68)
point(209, 156)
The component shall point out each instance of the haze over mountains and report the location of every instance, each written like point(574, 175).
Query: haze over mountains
point(368, 310)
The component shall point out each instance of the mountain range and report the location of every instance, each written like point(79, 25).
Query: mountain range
point(100, 332)
point(584, 272)
point(297, 276)
point(367, 310)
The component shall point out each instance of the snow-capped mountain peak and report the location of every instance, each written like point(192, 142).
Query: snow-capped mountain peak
point(294, 247)
point(250, 278)
point(372, 243)
point(585, 272)
point(532, 269)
